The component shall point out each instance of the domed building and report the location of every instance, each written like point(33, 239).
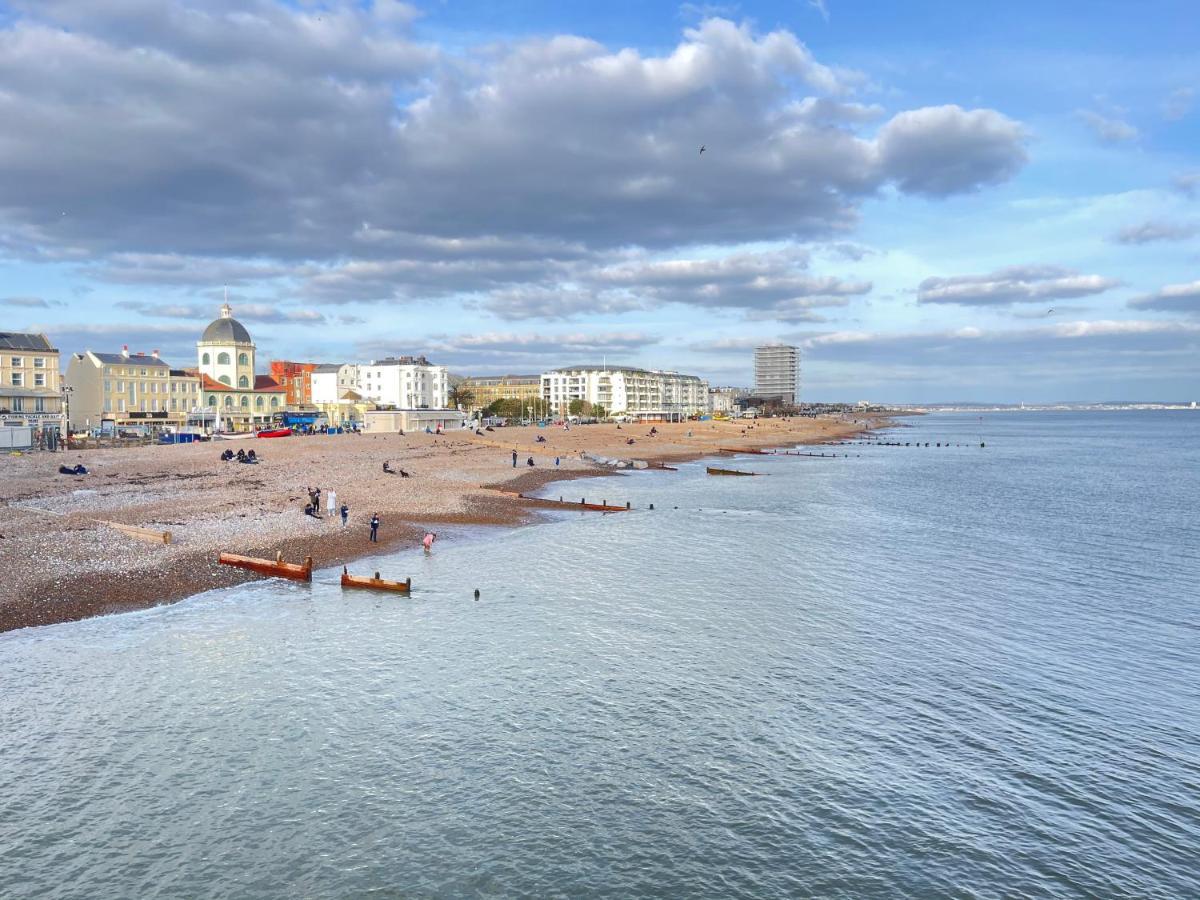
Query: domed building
point(225, 353)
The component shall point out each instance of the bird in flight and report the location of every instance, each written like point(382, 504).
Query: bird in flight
point(701, 149)
point(1050, 310)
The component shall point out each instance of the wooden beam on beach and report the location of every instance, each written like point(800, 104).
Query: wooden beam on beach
point(149, 535)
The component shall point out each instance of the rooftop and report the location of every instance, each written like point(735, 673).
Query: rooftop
point(133, 359)
point(15, 340)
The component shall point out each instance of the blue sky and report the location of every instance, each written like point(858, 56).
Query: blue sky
point(935, 200)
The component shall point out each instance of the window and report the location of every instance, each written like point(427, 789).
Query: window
point(39, 379)
point(17, 362)
point(18, 404)
point(39, 362)
point(107, 386)
point(228, 402)
point(222, 359)
point(224, 379)
point(154, 387)
point(120, 406)
point(243, 381)
point(108, 405)
point(245, 402)
point(212, 400)
point(17, 379)
point(120, 387)
point(205, 360)
point(274, 402)
point(243, 359)
point(258, 402)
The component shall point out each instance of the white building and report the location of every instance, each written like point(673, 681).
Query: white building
point(624, 390)
point(722, 400)
point(331, 382)
point(406, 382)
point(777, 373)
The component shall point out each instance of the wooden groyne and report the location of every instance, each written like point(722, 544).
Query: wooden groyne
point(376, 583)
point(712, 470)
point(275, 568)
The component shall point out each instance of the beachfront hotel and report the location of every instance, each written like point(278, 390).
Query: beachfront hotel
point(405, 382)
point(777, 373)
point(30, 393)
point(123, 390)
point(644, 394)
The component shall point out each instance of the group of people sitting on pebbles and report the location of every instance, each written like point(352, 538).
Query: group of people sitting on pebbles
point(241, 456)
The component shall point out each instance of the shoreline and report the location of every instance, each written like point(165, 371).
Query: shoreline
point(157, 576)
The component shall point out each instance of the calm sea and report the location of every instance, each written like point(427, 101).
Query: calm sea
point(942, 672)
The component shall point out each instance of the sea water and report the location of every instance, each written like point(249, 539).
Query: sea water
point(914, 672)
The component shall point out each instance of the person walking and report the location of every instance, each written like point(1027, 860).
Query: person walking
point(514, 459)
point(375, 528)
point(345, 514)
point(331, 502)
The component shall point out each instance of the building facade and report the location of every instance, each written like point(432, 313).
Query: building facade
point(626, 391)
point(30, 388)
point(777, 373)
point(722, 401)
point(128, 389)
point(335, 393)
point(234, 397)
point(406, 382)
point(487, 390)
point(296, 379)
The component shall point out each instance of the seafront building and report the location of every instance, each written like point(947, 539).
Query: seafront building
point(296, 379)
point(643, 394)
point(125, 390)
point(30, 392)
point(722, 401)
point(405, 382)
point(486, 390)
point(777, 373)
point(232, 392)
point(335, 394)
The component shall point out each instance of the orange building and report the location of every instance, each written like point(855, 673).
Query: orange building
point(296, 377)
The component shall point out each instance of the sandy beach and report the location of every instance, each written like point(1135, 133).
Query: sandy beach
point(63, 563)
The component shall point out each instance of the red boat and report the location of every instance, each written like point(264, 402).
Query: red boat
point(277, 432)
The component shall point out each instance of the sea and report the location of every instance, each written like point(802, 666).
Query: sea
point(907, 671)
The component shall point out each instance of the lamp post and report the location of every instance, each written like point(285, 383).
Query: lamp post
point(66, 414)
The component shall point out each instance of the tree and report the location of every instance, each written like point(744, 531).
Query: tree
point(578, 407)
point(461, 396)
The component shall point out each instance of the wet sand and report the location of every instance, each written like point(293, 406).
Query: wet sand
point(62, 563)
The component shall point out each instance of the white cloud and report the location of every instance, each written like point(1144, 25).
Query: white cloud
point(1149, 232)
point(1108, 130)
point(1178, 104)
point(1183, 298)
point(1015, 284)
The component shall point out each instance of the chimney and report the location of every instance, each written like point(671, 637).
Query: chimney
point(125, 351)
point(154, 354)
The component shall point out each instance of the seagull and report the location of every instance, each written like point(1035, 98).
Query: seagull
point(701, 149)
point(1050, 310)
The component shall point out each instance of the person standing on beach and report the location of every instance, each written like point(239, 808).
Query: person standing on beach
point(331, 502)
point(345, 514)
point(514, 459)
point(375, 528)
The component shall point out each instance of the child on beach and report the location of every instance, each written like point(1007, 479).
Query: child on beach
point(430, 537)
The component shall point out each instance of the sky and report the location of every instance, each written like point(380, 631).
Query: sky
point(937, 201)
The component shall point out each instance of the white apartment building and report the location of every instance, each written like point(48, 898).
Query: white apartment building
point(777, 373)
point(406, 382)
point(624, 390)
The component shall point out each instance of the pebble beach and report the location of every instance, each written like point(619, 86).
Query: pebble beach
point(63, 562)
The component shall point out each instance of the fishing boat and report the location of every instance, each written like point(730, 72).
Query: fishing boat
point(375, 584)
point(275, 432)
point(715, 471)
point(232, 436)
point(275, 568)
